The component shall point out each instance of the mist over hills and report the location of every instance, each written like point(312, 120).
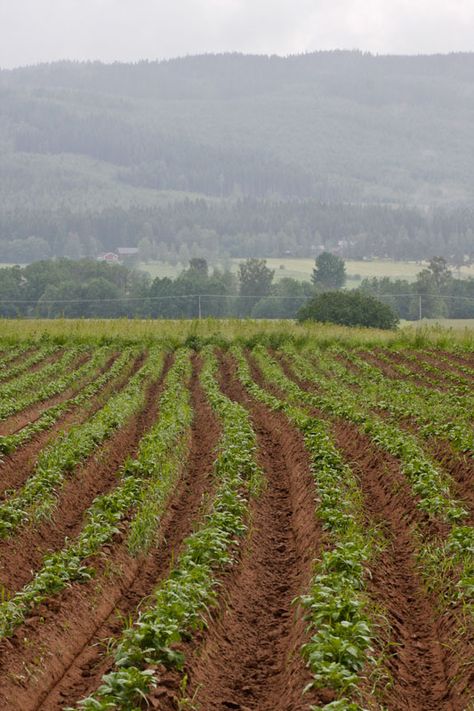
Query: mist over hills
point(377, 152)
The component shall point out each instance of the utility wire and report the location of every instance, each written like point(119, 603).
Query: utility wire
point(40, 302)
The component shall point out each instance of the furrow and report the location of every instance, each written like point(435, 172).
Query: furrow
point(256, 632)
point(84, 673)
point(32, 413)
point(460, 468)
point(22, 555)
point(83, 616)
point(430, 643)
point(417, 659)
point(18, 466)
point(428, 371)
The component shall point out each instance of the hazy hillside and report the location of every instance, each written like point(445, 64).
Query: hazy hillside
point(331, 127)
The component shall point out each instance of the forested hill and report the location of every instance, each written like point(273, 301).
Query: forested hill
point(329, 127)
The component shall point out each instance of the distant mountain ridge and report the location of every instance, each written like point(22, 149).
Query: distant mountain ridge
point(224, 75)
point(396, 129)
point(327, 127)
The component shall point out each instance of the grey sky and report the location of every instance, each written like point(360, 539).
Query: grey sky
point(43, 30)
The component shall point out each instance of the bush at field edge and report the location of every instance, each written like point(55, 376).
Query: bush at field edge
point(349, 309)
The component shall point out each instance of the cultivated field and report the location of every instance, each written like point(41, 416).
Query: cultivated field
point(225, 516)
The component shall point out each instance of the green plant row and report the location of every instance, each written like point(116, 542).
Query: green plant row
point(162, 454)
point(8, 355)
point(466, 369)
point(440, 374)
point(459, 399)
point(341, 630)
point(8, 443)
point(24, 365)
point(38, 496)
point(40, 385)
point(432, 374)
point(427, 481)
point(436, 414)
point(179, 604)
point(156, 467)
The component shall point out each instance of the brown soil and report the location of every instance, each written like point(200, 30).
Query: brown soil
point(424, 666)
point(466, 359)
point(426, 378)
point(461, 468)
point(16, 422)
point(450, 365)
point(58, 656)
point(53, 358)
point(419, 376)
point(250, 657)
point(420, 664)
point(17, 467)
point(22, 555)
point(388, 370)
point(16, 360)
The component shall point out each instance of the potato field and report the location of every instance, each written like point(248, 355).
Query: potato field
point(264, 522)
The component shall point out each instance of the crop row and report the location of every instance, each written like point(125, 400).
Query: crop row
point(26, 363)
point(8, 443)
point(460, 399)
point(464, 368)
point(428, 482)
point(179, 604)
point(437, 414)
point(38, 496)
point(434, 369)
point(432, 374)
point(8, 355)
point(39, 385)
point(144, 486)
point(340, 627)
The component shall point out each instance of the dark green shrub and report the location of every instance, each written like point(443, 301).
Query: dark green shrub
point(348, 308)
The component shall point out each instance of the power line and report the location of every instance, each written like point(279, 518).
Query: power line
point(39, 302)
point(430, 296)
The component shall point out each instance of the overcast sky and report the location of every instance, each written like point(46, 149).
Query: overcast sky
point(43, 30)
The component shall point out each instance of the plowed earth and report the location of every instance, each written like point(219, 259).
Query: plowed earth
point(440, 379)
point(248, 656)
point(47, 360)
point(72, 655)
point(426, 651)
point(16, 422)
point(458, 465)
point(21, 555)
point(15, 468)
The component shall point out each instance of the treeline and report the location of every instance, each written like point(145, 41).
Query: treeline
point(181, 230)
point(82, 288)
point(91, 289)
point(234, 74)
point(436, 293)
